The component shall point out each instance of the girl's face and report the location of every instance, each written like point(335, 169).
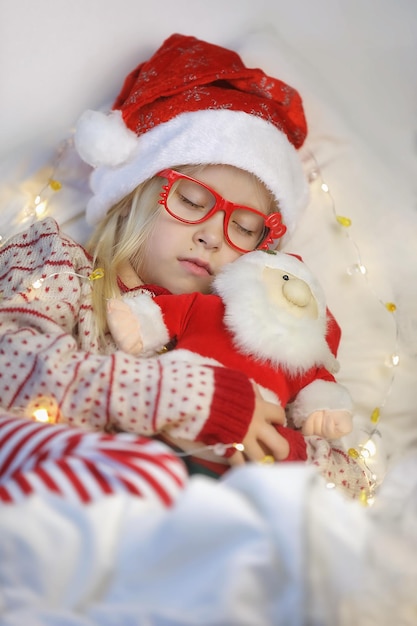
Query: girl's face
point(185, 258)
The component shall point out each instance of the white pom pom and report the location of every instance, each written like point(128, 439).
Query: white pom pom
point(102, 139)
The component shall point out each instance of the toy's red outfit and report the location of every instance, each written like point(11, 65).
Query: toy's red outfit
point(196, 322)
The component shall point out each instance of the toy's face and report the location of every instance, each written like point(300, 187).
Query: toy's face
point(290, 293)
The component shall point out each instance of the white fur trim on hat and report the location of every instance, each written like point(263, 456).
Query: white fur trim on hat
point(202, 137)
point(104, 140)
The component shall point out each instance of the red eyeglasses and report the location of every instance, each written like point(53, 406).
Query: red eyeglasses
point(192, 202)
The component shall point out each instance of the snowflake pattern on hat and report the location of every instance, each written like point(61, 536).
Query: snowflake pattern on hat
point(212, 77)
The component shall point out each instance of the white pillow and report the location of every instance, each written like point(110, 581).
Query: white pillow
point(363, 188)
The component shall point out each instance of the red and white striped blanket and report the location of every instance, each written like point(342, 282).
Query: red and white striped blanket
point(83, 466)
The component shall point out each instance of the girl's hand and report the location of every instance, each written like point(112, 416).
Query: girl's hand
point(262, 439)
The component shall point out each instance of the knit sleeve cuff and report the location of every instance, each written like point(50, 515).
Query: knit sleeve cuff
point(231, 409)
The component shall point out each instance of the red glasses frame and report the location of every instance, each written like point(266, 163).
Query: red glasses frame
point(273, 222)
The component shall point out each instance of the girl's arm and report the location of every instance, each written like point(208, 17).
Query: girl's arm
point(49, 356)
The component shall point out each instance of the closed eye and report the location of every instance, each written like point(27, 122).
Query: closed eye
point(189, 202)
point(243, 230)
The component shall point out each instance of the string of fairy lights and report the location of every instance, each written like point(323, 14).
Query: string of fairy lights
point(368, 448)
point(37, 208)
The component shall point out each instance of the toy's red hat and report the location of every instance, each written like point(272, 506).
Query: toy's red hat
point(194, 102)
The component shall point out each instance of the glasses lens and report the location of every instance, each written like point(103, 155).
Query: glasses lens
point(245, 229)
point(189, 200)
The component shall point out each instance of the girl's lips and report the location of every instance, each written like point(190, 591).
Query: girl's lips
point(196, 267)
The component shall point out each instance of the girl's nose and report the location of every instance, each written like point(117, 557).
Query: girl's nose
point(210, 233)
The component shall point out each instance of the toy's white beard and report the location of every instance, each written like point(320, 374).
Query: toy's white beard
point(263, 330)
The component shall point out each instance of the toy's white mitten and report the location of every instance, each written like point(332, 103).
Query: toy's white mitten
point(137, 325)
point(330, 424)
point(124, 326)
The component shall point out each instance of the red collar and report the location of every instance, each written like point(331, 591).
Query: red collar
point(152, 290)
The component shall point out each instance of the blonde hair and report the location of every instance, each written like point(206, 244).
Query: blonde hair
point(123, 233)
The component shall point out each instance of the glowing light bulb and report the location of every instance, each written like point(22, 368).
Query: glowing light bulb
point(369, 448)
point(219, 449)
point(40, 209)
point(37, 200)
point(391, 307)
point(331, 485)
point(393, 360)
point(325, 188)
point(41, 415)
point(358, 268)
point(38, 283)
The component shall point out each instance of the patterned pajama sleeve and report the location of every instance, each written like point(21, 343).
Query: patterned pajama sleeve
point(51, 356)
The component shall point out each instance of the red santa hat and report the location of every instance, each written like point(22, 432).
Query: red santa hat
point(194, 102)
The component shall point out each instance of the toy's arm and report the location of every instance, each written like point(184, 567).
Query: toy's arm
point(323, 408)
point(137, 325)
point(328, 423)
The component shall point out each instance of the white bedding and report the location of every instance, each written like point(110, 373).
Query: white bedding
point(267, 546)
point(278, 544)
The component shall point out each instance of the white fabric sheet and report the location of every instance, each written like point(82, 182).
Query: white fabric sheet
point(268, 546)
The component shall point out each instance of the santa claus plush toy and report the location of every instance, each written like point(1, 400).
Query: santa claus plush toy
point(268, 318)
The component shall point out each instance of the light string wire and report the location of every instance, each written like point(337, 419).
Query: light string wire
point(40, 203)
point(361, 454)
point(36, 208)
point(366, 450)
